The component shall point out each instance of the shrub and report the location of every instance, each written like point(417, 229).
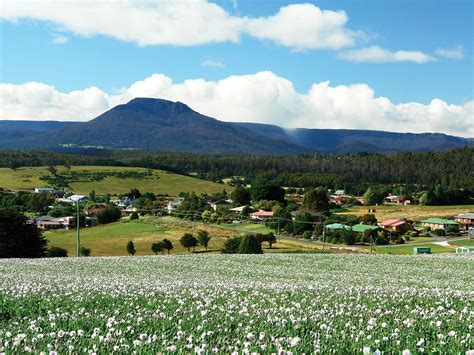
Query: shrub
point(131, 248)
point(249, 245)
point(56, 252)
point(157, 248)
point(203, 238)
point(399, 240)
point(231, 245)
point(134, 216)
point(452, 229)
point(109, 214)
point(85, 251)
point(307, 234)
point(439, 232)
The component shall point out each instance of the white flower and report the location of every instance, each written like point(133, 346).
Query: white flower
point(295, 341)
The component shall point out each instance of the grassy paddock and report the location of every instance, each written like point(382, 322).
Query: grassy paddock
point(161, 182)
point(413, 212)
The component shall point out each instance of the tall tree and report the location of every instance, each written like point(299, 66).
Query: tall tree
point(317, 199)
point(241, 196)
point(188, 241)
point(131, 248)
point(18, 239)
point(167, 245)
point(203, 238)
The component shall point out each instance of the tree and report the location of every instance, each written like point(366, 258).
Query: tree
point(134, 216)
point(316, 199)
point(56, 252)
point(52, 169)
point(85, 251)
point(92, 195)
point(18, 239)
point(231, 245)
point(131, 248)
point(302, 223)
point(263, 190)
point(134, 194)
point(203, 238)
point(188, 241)
point(241, 196)
point(167, 245)
point(157, 248)
point(39, 203)
point(373, 196)
point(249, 245)
point(109, 214)
point(271, 239)
point(368, 218)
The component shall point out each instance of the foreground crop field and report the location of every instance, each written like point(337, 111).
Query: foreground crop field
point(219, 303)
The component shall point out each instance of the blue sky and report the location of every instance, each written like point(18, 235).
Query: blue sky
point(38, 48)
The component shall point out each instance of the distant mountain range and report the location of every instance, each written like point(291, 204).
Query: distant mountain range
point(161, 125)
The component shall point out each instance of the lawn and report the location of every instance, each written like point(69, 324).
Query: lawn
point(462, 243)
point(160, 182)
point(111, 239)
point(262, 304)
point(412, 212)
point(408, 249)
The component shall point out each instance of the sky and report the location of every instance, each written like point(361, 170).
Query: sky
point(398, 65)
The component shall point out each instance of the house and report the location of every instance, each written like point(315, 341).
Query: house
point(128, 211)
point(44, 190)
point(122, 202)
point(402, 199)
point(297, 199)
point(465, 219)
point(438, 223)
point(337, 226)
point(173, 205)
point(238, 210)
point(361, 228)
point(261, 215)
point(91, 221)
point(315, 216)
point(70, 199)
point(48, 222)
point(92, 211)
point(220, 204)
point(396, 226)
point(391, 199)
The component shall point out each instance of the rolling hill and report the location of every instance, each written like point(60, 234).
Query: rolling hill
point(161, 125)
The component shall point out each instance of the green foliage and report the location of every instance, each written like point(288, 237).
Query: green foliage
point(157, 248)
point(302, 223)
point(188, 241)
point(131, 248)
point(262, 189)
point(268, 238)
point(109, 214)
point(241, 196)
point(134, 216)
point(452, 229)
point(56, 252)
point(249, 245)
point(203, 238)
point(316, 200)
point(439, 232)
point(18, 239)
point(231, 245)
point(167, 244)
point(374, 196)
point(134, 194)
point(85, 251)
point(369, 219)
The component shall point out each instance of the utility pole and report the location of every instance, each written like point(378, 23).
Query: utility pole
point(78, 225)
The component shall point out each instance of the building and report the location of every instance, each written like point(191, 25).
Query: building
point(361, 228)
point(44, 190)
point(315, 216)
point(128, 211)
point(437, 223)
point(465, 219)
point(337, 226)
point(93, 211)
point(396, 226)
point(238, 210)
point(173, 205)
point(48, 222)
point(261, 215)
point(220, 204)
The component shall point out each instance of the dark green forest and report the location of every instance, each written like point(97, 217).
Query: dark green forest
point(452, 169)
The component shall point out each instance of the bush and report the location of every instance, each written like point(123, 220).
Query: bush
point(134, 216)
point(56, 252)
point(399, 240)
point(307, 234)
point(109, 214)
point(157, 248)
point(414, 234)
point(452, 229)
point(439, 232)
point(231, 245)
point(131, 248)
point(85, 251)
point(249, 245)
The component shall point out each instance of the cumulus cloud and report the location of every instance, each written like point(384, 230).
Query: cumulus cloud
point(262, 97)
point(377, 54)
point(453, 53)
point(212, 63)
point(184, 23)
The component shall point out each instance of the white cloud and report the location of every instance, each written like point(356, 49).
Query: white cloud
point(453, 53)
point(212, 63)
point(189, 22)
point(377, 54)
point(59, 39)
point(262, 97)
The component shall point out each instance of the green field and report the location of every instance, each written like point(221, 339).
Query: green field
point(415, 212)
point(160, 182)
point(111, 239)
point(408, 249)
point(463, 243)
point(274, 303)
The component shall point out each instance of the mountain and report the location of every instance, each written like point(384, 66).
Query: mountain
point(351, 141)
point(161, 125)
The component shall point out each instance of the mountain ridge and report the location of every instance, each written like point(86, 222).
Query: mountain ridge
point(162, 125)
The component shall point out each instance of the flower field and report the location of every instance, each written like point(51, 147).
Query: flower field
point(226, 303)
